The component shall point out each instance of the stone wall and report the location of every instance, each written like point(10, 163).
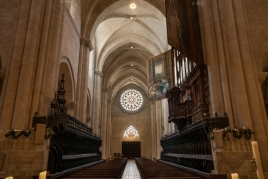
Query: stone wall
point(121, 121)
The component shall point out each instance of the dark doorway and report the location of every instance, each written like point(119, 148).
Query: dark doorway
point(131, 149)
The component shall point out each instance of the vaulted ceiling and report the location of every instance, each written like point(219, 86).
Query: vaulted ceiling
point(124, 39)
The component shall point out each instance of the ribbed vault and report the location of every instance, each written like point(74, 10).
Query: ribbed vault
point(124, 39)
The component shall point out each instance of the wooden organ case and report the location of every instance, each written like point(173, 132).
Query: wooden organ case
point(73, 146)
point(189, 147)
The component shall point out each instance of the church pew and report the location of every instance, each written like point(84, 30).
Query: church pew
point(149, 169)
point(113, 169)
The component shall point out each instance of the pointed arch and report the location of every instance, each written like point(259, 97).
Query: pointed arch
point(131, 132)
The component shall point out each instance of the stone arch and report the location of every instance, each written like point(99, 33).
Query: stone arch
point(65, 68)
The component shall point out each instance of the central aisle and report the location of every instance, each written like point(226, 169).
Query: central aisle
point(131, 170)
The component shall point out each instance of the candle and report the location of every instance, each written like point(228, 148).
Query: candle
point(255, 150)
point(234, 176)
point(42, 175)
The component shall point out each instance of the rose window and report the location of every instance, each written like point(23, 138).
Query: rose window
point(131, 100)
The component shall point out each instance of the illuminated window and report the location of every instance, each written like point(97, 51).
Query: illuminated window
point(131, 132)
point(131, 100)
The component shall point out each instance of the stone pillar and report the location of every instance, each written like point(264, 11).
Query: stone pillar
point(153, 129)
point(52, 59)
point(234, 65)
point(28, 67)
point(23, 59)
point(79, 79)
point(211, 59)
point(109, 128)
point(158, 127)
point(97, 101)
point(15, 65)
point(84, 85)
point(222, 61)
point(41, 60)
point(104, 120)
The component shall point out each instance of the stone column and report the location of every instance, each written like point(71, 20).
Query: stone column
point(109, 128)
point(210, 58)
point(153, 129)
point(52, 59)
point(84, 86)
point(15, 65)
point(41, 60)
point(252, 83)
point(79, 78)
point(28, 67)
point(24, 55)
point(97, 101)
point(234, 64)
point(104, 126)
point(158, 127)
point(222, 61)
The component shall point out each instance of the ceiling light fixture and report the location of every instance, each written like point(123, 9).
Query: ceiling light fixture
point(133, 6)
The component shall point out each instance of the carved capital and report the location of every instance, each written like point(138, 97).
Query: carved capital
point(88, 44)
point(98, 72)
point(262, 76)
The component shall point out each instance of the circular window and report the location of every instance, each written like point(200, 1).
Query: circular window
point(131, 100)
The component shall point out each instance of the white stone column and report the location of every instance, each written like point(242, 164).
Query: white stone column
point(97, 101)
point(84, 85)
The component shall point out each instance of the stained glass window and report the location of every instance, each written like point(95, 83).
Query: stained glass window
point(131, 132)
point(131, 100)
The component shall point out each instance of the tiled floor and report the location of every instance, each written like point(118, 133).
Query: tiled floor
point(131, 170)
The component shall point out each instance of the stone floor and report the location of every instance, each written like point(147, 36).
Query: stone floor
point(131, 170)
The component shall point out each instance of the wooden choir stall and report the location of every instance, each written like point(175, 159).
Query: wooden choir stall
point(73, 146)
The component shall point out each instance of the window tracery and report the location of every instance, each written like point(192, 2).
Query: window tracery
point(131, 100)
point(131, 132)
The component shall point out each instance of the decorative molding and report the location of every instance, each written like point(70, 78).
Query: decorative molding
point(98, 72)
point(262, 76)
point(88, 43)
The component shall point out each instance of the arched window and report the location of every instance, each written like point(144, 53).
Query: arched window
point(131, 132)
